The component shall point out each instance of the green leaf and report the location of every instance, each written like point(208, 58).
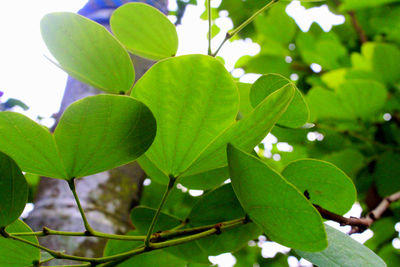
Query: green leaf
point(154, 258)
point(297, 113)
point(30, 145)
point(102, 132)
point(260, 121)
point(326, 185)
point(356, 4)
point(15, 253)
point(343, 251)
point(88, 52)
point(354, 99)
point(348, 160)
point(194, 100)
point(205, 180)
point(13, 190)
point(94, 134)
point(386, 173)
point(281, 215)
point(218, 206)
point(145, 31)
point(142, 217)
point(244, 94)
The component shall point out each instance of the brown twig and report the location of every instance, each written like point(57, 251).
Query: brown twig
point(359, 225)
point(360, 31)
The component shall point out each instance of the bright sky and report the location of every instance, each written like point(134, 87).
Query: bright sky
point(27, 75)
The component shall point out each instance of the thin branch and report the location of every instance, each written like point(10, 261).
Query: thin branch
point(171, 184)
point(360, 31)
point(71, 184)
point(359, 225)
point(47, 232)
point(233, 32)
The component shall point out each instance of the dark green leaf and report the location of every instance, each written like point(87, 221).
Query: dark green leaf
point(15, 253)
point(287, 218)
point(218, 206)
point(13, 190)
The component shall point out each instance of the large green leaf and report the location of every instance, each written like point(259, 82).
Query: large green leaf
point(13, 190)
point(343, 251)
point(102, 132)
point(94, 134)
point(326, 185)
point(15, 253)
point(297, 113)
point(356, 4)
point(282, 211)
point(145, 31)
point(30, 145)
point(88, 52)
point(218, 206)
point(154, 258)
point(246, 133)
point(194, 100)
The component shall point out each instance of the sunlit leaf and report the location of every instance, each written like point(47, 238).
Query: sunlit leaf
point(287, 218)
point(145, 31)
point(88, 52)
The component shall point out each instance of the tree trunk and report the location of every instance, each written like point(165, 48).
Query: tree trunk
point(106, 197)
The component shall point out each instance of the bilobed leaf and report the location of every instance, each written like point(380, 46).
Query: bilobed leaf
point(342, 250)
point(154, 258)
point(101, 132)
point(297, 113)
point(205, 180)
point(194, 100)
point(326, 185)
point(15, 253)
point(217, 206)
point(13, 190)
point(246, 133)
point(282, 211)
point(30, 145)
point(145, 31)
point(88, 52)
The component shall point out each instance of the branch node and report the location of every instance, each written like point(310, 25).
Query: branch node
point(4, 233)
point(218, 228)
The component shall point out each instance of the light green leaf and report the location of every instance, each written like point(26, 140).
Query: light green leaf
point(326, 185)
point(145, 31)
point(17, 254)
point(194, 100)
point(343, 251)
point(88, 52)
point(218, 206)
point(354, 99)
point(297, 113)
point(154, 258)
point(13, 190)
point(30, 145)
point(348, 160)
point(101, 132)
point(287, 218)
point(205, 180)
point(357, 4)
point(246, 133)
